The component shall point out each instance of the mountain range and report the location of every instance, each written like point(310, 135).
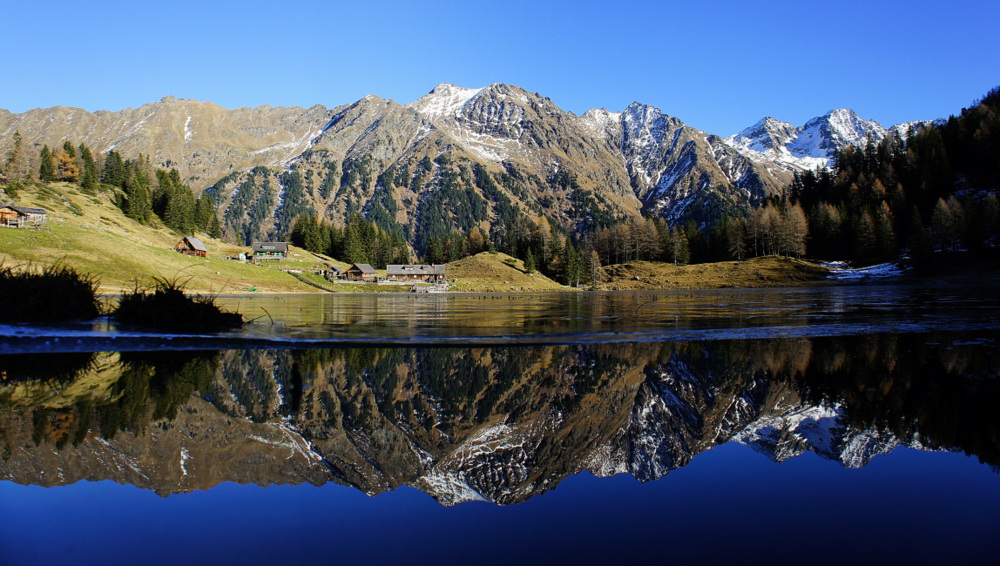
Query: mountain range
point(455, 158)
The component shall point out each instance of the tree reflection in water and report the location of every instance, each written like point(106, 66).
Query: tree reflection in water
point(495, 423)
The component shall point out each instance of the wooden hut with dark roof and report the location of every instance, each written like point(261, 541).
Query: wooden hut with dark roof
point(360, 272)
point(13, 216)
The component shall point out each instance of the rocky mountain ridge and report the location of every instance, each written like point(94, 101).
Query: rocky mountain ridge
point(514, 153)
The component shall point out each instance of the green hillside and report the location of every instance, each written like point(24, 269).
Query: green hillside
point(92, 235)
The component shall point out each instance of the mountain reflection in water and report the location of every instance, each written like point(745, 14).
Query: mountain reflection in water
point(494, 423)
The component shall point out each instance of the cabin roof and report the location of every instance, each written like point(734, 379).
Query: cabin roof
point(421, 269)
point(26, 209)
point(363, 267)
point(270, 247)
point(195, 243)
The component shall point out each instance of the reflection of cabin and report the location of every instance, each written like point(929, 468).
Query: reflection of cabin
point(13, 216)
point(269, 250)
point(360, 272)
point(429, 273)
point(191, 246)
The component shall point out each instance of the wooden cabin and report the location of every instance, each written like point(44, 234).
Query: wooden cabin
point(360, 272)
point(191, 246)
point(13, 216)
point(269, 250)
point(428, 273)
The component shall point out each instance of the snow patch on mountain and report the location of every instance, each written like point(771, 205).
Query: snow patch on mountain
point(445, 100)
point(903, 130)
point(449, 488)
point(601, 122)
point(821, 430)
point(837, 129)
point(807, 147)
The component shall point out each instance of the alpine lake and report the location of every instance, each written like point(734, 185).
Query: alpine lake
point(833, 425)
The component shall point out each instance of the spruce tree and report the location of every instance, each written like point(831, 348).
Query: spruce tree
point(46, 165)
point(530, 263)
point(88, 177)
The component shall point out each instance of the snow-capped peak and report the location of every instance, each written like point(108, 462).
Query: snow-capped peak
point(446, 99)
point(836, 129)
point(766, 134)
point(809, 146)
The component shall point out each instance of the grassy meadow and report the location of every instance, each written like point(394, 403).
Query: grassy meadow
point(90, 234)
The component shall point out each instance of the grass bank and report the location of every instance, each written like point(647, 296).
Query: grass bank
point(756, 272)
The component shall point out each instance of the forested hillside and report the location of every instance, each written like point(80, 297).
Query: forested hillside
point(932, 195)
point(141, 190)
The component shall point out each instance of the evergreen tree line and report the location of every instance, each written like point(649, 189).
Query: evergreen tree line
point(146, 192)
point(773, 229)
point(67, 163)
point(359, 241)
point(934, 193)
point(143, 192)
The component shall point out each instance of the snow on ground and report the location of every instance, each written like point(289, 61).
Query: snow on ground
point(840, 272)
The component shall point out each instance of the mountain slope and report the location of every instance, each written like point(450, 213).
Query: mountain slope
point(497, 157)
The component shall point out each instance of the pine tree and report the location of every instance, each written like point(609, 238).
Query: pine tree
point(677, 247)
point(795, 230)
point(434, 254)
point(863, 237)
point(88, 177)
point(113, 172)
point(136, 197)
point(572, 266)
point(215, 227)
point(46, 165)
point(885, 233)
point(593, 266)
point(313, 238)
point(530, 263)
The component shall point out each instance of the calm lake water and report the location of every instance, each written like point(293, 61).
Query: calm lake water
point(833, 425)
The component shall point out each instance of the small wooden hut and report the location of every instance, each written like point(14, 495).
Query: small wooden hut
point(13, 216)
point(360, 272)
point(191, 246)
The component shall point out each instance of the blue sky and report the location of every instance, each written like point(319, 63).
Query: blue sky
point(717, 65)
